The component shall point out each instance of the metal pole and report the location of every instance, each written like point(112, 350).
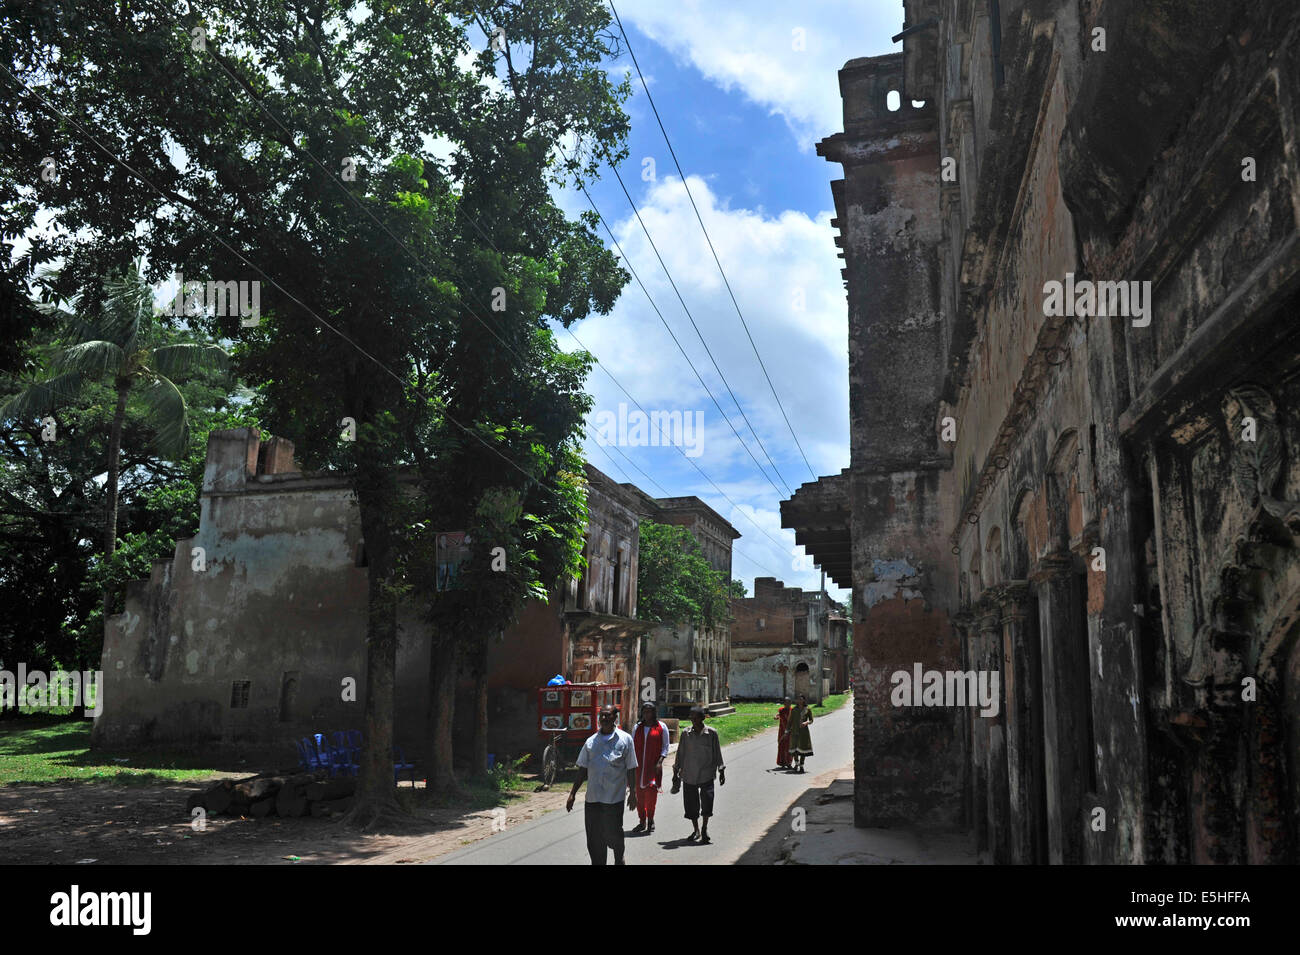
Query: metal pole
point(823, 624)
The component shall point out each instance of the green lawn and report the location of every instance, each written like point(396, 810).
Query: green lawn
point(750, 719)
point(44, 749)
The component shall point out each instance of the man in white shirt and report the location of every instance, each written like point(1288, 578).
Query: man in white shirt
point(607, 763)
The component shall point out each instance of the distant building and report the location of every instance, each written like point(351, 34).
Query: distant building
point(782, 638)
point(683, 645)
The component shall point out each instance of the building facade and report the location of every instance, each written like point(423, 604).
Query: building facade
point(782, 639)
point(1075, 225)
point(253, 634)
point(684, 645)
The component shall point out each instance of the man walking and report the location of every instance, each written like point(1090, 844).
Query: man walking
point(607, 763)
point(699, 757)
point(650, 736)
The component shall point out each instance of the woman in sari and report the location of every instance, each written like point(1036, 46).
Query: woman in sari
point(800, 736)
point(783, 735)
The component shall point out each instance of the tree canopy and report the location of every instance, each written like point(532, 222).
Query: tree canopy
point(676, 583)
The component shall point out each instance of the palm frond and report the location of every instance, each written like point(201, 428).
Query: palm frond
point(92, 359)
point(168, 416)
point(42, 396)
point(127, 307)
point(181, 361)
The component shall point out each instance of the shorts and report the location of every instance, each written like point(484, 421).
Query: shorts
point(698, 800)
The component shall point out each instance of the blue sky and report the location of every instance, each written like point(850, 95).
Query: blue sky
point(745, 90)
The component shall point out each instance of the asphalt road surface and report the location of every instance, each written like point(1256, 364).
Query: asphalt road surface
point(755, 799)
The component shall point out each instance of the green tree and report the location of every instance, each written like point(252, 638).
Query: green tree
point(52, 505)
point(312, 136)
point(113, 344)
point(675, 582)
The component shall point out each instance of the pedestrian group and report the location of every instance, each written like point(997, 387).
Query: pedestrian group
point(617, 765)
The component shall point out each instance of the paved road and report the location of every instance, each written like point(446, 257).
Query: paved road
point(754, 800)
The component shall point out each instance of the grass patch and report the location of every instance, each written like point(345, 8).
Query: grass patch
point(47, 749)
point(750, 719)
point(832, 702)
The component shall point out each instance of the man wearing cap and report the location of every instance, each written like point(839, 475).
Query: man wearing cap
point(699, 758)
point(650, 736)
point(607, 763)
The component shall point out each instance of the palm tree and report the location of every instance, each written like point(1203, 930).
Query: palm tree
point(112, 347)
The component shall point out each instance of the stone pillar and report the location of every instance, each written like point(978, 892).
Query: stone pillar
point(1060, 621)
point(976, 729)
point(1023, 719)
point(998, 798)
point(962, 623)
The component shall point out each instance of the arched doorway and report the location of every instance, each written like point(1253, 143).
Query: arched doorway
point(801, 684)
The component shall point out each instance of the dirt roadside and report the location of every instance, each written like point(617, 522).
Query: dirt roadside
point(98, 824)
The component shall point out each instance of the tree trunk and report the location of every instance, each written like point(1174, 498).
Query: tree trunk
point(442, 710)
point(478, 756)
point(376, 794)
point(110, 488)
point(110, 508)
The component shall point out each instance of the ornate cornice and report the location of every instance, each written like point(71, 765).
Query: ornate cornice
point(1049, 566)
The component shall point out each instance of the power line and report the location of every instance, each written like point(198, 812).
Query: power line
point(403, 246)
point(627, 260)
point(680, 451)
point(405, 383)
point(700, 335)
point(470, 219)
point(709, 240)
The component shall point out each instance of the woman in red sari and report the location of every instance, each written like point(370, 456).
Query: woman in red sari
point(782, 737)
point(651, 742)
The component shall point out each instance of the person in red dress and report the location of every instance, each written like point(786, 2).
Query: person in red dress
point(650, 738)
point(782, 739)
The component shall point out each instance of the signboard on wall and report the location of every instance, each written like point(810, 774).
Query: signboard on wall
point(451, 550)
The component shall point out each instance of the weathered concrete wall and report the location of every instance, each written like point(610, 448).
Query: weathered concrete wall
point(1114, 546)
point(782, 626)
point(906, 760)
point(1118, 546)
point(278, 601)
point(766, 672)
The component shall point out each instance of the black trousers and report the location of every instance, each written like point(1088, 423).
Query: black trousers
point(604, 831)
point(698, 800)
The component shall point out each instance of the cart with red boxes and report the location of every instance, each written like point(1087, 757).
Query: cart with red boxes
point(566, 716)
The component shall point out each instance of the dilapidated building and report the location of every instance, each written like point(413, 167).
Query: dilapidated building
point(1070, 232)
point(786, 641)
point(253, 634)
point(684, 645)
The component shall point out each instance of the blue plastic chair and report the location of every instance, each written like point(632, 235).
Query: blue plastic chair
point(329, 757)
point(399, 764)
point(307, 758)
point(348, 757)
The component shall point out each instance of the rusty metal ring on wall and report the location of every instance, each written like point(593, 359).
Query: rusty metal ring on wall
point(956, 549)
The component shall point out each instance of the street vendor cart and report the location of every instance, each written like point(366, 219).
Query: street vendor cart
point(685, 689)
point(566, 716)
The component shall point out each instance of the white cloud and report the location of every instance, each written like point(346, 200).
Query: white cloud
point(770, 260)
point(752, 47)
